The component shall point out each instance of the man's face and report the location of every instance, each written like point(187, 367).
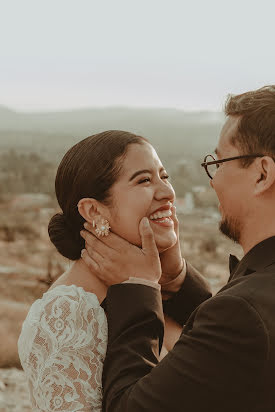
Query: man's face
point(231, 184)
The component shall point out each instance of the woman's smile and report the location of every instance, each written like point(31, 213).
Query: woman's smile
point(165, 222)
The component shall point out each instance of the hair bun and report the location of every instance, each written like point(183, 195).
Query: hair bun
point(63, 237)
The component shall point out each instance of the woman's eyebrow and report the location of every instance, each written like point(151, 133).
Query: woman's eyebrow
point(139, 172)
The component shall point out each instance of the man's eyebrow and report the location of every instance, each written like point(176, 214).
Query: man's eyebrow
point(139, 172)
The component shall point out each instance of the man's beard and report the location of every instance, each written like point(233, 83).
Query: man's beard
point(231, 228)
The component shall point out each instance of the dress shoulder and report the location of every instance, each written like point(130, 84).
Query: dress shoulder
point(62, 347)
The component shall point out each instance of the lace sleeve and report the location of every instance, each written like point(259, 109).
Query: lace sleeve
point(62, 347)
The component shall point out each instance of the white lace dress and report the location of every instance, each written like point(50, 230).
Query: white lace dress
point(62, 347)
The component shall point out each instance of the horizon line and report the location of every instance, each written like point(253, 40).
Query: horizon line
point(104, 107)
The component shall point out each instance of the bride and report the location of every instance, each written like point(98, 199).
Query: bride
point(110, 180)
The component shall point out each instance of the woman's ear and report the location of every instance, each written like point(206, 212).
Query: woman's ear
point(89, 209)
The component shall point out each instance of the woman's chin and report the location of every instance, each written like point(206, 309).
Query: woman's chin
point(166, 243)
point(163, 242)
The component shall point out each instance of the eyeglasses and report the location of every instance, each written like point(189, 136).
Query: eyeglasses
point(211, 166)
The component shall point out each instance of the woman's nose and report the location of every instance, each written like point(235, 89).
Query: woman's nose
point(165, 190)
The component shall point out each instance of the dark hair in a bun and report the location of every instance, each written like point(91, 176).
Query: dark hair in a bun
point(66, 241)
point(88, 169)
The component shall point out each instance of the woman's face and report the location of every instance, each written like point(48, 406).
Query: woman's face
point(141, 189)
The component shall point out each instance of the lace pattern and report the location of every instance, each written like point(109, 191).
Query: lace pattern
point(62, 347)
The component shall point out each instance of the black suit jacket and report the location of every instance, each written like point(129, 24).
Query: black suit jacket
point(224, 359)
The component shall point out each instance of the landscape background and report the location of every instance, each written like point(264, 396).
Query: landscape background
point(31, 146)
point(69, 69)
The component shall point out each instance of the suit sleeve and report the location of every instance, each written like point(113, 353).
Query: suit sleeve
point(219, 356)
point(195, 290)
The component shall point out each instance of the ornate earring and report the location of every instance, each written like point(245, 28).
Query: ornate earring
point(102, 227)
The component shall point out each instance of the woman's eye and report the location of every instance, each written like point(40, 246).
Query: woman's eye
point(145, 180)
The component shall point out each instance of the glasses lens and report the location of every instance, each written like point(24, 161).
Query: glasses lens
point(211, 168)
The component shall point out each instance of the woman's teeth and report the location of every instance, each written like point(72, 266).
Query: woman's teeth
point(161, 214)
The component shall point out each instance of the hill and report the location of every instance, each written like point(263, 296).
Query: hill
point(175, 133)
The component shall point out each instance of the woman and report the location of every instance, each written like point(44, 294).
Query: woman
point(110, 180)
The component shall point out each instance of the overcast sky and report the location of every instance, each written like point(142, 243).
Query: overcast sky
point(61, 54)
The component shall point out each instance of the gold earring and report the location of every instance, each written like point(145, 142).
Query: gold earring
point(102, 227)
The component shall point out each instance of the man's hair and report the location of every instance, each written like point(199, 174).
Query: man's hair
point(256, 127)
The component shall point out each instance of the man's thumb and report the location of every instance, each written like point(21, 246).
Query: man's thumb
point(147, 237)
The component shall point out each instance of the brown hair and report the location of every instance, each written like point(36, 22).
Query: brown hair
point(256, 128)
point(88, 169)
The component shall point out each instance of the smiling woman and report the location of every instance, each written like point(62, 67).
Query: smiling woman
point(87, 171)
point(142, 189)
point(112, 180)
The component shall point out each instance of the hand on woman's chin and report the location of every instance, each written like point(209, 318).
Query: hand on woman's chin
point(162, 242)
point(166, 243)
point(162, 249)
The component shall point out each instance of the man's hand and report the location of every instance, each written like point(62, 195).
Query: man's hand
point(171, 259)
point(172, 265)
point(114, 260)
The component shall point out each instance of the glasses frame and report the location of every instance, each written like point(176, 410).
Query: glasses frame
point(205, 164)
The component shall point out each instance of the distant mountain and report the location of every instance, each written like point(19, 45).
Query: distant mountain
point(176, 134)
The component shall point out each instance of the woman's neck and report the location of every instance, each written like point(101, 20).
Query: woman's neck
point(80, 275)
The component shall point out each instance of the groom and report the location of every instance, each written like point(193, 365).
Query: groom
point(225, 357)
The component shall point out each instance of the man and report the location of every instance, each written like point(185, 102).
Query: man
point(225, 357)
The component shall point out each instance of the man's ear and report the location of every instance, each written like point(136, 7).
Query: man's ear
point(89, 209)
point(265, 175)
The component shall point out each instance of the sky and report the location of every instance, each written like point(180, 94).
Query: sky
point(65, 54)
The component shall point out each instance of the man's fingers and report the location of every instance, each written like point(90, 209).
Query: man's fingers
point(91, 263)
point(93, 243)
point(175, 220)
point(147, 237)
point(96, 256)
point(111, 240)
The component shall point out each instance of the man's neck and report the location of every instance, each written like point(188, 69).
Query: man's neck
point(259, 229)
